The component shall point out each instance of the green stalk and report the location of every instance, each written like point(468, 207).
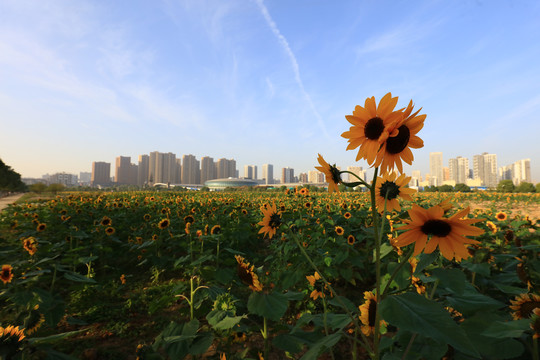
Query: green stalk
point(265, 337)
point(396, 271)
point(535, 348)
point(378, 234)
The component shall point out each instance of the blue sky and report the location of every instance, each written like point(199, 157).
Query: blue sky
point(262, 81)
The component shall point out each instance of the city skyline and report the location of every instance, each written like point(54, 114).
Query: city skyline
point(262, 81)
point(158, 167)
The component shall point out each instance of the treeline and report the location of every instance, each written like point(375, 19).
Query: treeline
point(10, 180)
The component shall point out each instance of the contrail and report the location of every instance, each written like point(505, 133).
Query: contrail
point(283, 41)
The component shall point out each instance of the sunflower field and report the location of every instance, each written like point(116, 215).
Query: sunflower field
point(388, 273)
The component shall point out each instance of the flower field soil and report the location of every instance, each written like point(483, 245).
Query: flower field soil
point(171, 275)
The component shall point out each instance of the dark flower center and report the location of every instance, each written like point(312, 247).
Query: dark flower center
point(390, 190)
point(372, 312)
point(438, 228)
point(245, 275)
point(5, 273)
point(396, 144)
point(526, 309)
point(336, 174)
point(275, 221)
point(374, 128)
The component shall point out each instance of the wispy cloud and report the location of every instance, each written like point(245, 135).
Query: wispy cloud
point(296, 69)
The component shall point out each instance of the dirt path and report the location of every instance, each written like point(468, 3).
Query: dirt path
point(5, 201)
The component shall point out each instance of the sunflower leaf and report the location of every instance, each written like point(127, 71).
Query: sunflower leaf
point(413, 312)
point(451, 279)
point(271, 306)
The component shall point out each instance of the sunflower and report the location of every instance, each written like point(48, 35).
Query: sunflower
point(146, 217)
point(339, 230)
point(332, 173)
point(188, 227)
point(216, 229)
point(271, 221)
point(189, 219)
point(106, 221)
point(110, 230)
point(33, 321)
point(163, 224)
point(371, 125)
point(415, 281)
point(347, 215)
point(535, 323)
point(30, 245)
point(312, 279)
point(389, 187)
point(446, 233)
point(304, 191)
point(123, 279)
point(501, 216)
point(6, 275)
point(524, 305)
point(246, 274)
point(41, 227)
point(10, 337)
point(351, 239)
point(491, 226)
point(368, 313)
point(402, 137)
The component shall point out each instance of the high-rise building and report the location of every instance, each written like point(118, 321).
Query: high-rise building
point(521, 171)
point(436, 168)
point(459, 169)
point(191, 173)
point(358, 170)
point(268, 173)
point(250, 172)
point(303, 178)
point(287, 175)
point(315, 176)
point(123, 170)
point(485, 169)
point(85, 178)
point(101, 173)
point(226, 168)
point(208, 169)
point(142, 170)
point(162, 168)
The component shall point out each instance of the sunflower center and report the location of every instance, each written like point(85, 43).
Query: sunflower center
point(245, 275)
point(275, 221)
point(389, 189)
point(438, 228)
point(336, 175)
point(526, 309)
point(374, 128)
point(372, 312)
point(396, 144)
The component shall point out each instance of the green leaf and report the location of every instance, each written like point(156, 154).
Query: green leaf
point(52, 338)
point(451, 279)
point(415, 313)
point(325, 343)
point(507, 329)
point(472, 301)
point(271, 306)
point(328, 261)
point(385, 250)
point(78, 278)
point(201, 344)
point(481, 269)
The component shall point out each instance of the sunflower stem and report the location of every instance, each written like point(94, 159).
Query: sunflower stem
point(396, 271)
point(409, 345)
point(535, 348)
point(360, 180)
point(378, 234)
point(265, 336)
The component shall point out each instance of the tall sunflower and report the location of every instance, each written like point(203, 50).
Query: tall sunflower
point(371, 126)
point(524, 305)
point(271, 221)
point(390, 188)
point(368, 313)
point(402, 137)
point(30, 245)
point(449, 234)
point(247, 275)
point(6, 275)
point(332, 173)
point(11, 338)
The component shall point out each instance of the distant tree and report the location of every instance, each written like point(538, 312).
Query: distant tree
point(38, 188)
point(431, 188)
point(462, 188)
point(538, 187)
point(55, 188)
point(525, 187)
point(506, 186)
point(10, 180)
point(446, 188)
